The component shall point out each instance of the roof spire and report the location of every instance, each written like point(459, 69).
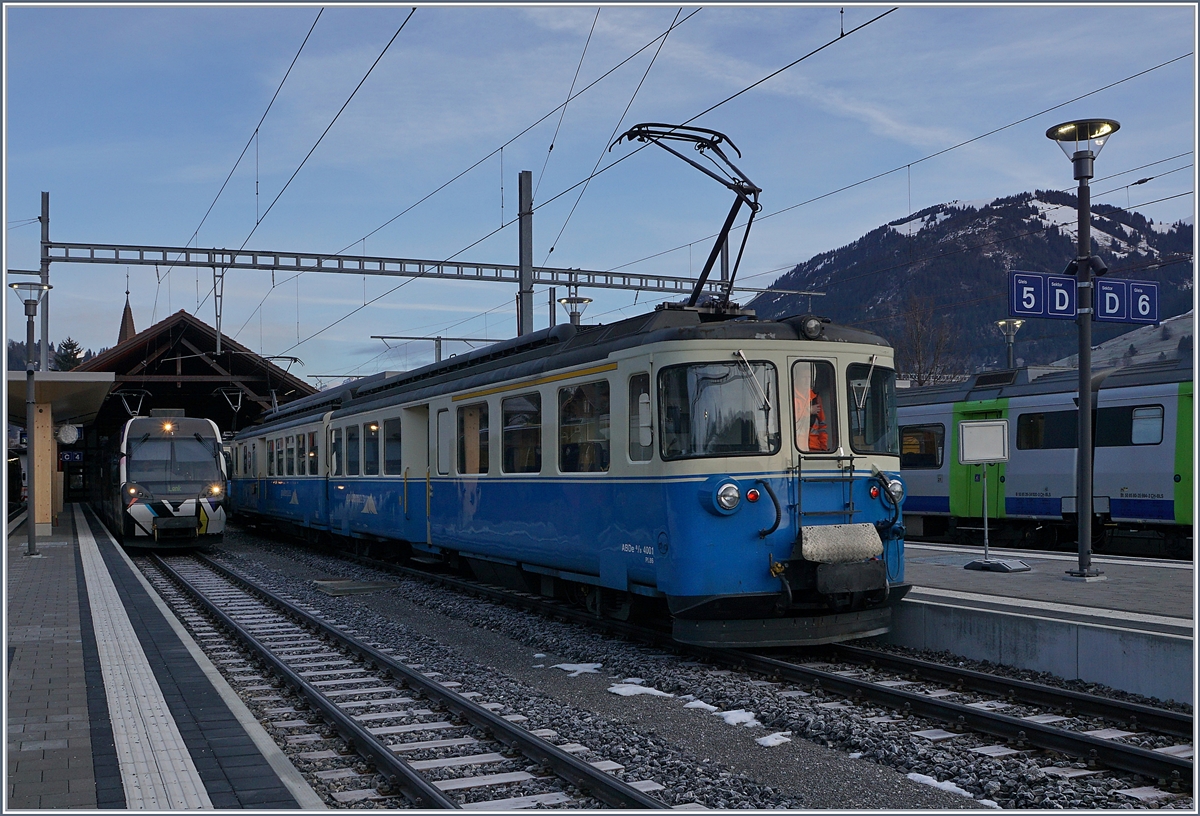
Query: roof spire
point(127, 329)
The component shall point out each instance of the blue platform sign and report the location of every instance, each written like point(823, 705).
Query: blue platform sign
point(1112, 301)
point(1027, 295)
point(1031, 294)
point(1060, 297)
point(1143, 302)
point(70, 456)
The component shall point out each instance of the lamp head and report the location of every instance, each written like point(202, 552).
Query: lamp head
point(1083, 135)
point(30, 291)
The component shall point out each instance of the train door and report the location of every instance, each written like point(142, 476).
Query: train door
point(823, 483)
point(414, 456)
point(971, 476)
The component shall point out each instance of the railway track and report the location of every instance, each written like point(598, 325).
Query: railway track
point(422, 738)
point(1100, 732)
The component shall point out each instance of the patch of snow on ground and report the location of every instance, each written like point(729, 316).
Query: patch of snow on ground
point(701, 704)
point(630, 689)
point(577, 669)
point(634, 681)
point(539, 665)
point(989, 803)
point(538, 655)
point(856, 755)
point(738, 717)
point(946, 786)
point(771, 740)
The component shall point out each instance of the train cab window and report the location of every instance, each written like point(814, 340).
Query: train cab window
point(583, 418)
point(391, 447)
point(353, 451)
point(871, 390)
point(279, 456)
point(522, 433)
point(370, 449)
point(301, 458)
point(718, 409)
point(1147, 425)
point(290, 458)
point(1051, 430)
point(473, 438)
point(270, 457)
point(813, 406)
point(922, 446)
point(641, 431)
point(313, 459)
point(335, 452)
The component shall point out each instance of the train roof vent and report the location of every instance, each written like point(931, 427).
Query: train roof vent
point(995, 378)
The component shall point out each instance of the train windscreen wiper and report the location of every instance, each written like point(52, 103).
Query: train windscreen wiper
point(744, 190)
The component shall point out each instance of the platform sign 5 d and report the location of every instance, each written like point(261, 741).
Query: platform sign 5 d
point(1032, 294)
point(1126, 301)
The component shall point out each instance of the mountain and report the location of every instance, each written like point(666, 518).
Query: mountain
point(936, 283)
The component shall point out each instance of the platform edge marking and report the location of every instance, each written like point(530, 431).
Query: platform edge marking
point(156, 768)
point(301, 791)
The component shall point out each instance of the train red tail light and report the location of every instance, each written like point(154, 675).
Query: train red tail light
point(874, 491)
point(752, 495)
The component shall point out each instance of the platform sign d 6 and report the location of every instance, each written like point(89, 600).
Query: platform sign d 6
point(1126, 301)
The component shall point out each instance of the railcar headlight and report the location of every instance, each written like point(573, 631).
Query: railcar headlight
point(810, 327)
point(214, 490)
point(728, 496)
point(895, 489)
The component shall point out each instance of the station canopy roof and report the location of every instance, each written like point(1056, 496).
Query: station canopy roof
point(174, 364)
point(75, 397)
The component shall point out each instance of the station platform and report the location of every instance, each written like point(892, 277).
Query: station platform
point(1132, 631)
point(110, 702)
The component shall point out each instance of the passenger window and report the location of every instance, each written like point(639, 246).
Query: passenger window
point(371, 449)
point(391, 447)
point(279, 456)
point(335, 452)
point(583, 416)
point(254, 458)
point(922, 446)
point(313, 459)
point(522, 433)
point(473, 438)
point(641, 431)
point(270, 457)
point(301, 463)
point(291, 456)
point(813, 407)
point(1147, 425)
point(353, 451)
point(1052, 430)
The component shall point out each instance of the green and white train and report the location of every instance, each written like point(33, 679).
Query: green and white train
point(1143, 466)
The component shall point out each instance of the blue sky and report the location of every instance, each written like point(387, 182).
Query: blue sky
point(132, 117)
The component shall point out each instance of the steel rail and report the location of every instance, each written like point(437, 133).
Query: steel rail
point(1113, 754)
point(603, 786)
point(387, 763)
point(1136, 714)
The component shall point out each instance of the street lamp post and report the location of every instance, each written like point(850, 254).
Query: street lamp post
point(30, 294)
point(1081, 141)
point(1009, 328)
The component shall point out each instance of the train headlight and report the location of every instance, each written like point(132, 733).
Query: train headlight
point(135, 492)
point(895, 489)
point(810, 327)
point(215, 490)
point(728, 496)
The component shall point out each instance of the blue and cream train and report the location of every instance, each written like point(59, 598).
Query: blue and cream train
point(163, 483)
point(1143, 468)
point(741, 472)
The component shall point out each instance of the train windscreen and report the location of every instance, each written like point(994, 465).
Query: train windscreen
point(187, 465)
point(719, 409)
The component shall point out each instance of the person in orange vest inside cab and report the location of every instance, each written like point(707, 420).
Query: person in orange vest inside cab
point(818, 429)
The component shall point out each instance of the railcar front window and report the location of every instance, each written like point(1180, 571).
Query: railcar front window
point(872, 397)
point(814, 407)
point(718, 409)
point(183, 465)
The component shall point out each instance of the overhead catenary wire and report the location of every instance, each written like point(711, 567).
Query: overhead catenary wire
point(608, 141)
point(607, 167)
point(563, 111)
